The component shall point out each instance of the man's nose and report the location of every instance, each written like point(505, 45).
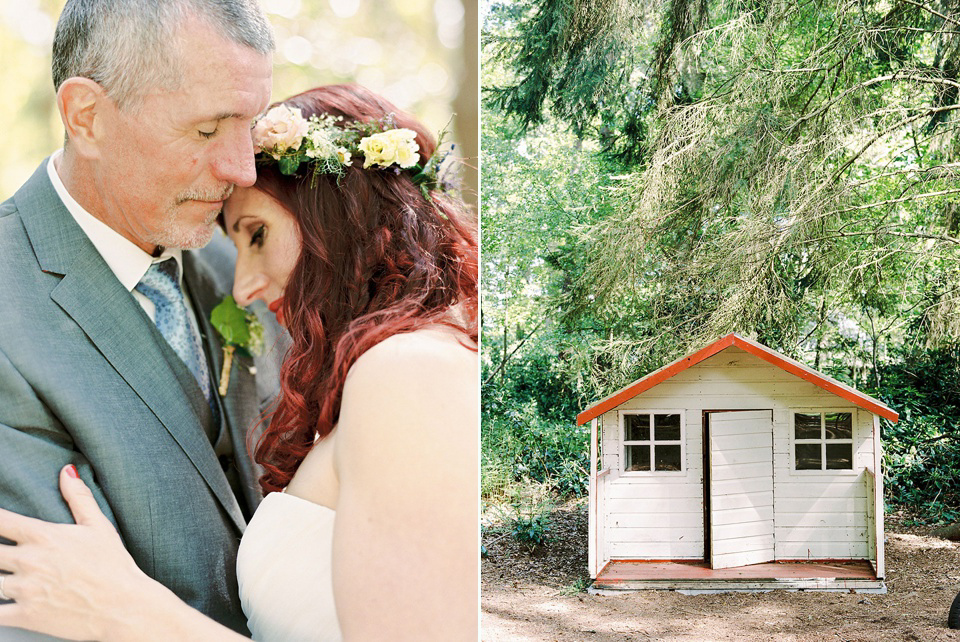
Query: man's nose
point(235, 163)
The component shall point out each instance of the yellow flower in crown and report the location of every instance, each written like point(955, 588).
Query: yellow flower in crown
point(325, 144)
point(392, 146)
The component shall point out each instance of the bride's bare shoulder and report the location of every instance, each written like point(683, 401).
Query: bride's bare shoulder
point(430, 353)
point(409, 390)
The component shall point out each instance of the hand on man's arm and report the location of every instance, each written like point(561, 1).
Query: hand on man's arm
point(34, 447)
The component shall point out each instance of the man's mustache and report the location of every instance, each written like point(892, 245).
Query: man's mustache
point(197, 195)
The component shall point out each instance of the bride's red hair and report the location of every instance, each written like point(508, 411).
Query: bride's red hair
point(377, 259)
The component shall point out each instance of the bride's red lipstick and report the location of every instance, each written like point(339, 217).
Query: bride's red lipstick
point(277, 308)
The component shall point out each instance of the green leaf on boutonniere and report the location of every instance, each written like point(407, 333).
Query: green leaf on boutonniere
point(241, 331)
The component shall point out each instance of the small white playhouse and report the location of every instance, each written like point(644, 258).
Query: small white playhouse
point(736, 468)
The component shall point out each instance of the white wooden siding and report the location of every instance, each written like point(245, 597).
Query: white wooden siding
point(817, 515)
point(655, 516)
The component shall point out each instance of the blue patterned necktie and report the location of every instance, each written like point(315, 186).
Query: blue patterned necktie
point(161, 284)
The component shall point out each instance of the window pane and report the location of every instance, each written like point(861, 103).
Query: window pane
point(806, 426)
point(839, 456)
point(839, 425)
point(808, 457)
point(637, 458)
point(666, 427)
point(667, 458)
point(637, 427)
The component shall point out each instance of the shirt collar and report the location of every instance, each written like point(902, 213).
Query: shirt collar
point(127, 261)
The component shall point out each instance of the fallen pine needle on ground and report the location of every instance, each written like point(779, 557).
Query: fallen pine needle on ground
point(540, 595)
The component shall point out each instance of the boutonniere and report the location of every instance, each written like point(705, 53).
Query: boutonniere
point(241, 331)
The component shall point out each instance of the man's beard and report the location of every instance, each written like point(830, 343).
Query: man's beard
point(175, 233)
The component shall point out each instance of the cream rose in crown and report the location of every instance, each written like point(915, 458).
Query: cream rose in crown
point(280, 129)
point(393, 146)
point(327, 145)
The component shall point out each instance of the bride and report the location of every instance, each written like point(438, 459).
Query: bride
point(369, 527)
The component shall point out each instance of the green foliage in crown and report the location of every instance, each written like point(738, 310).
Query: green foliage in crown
point(327, 145)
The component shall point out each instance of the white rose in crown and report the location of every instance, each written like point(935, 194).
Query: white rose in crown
point(280, 129)
point(322, 144)
point(393, 146)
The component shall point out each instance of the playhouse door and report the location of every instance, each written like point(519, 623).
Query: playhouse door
point(741, 488)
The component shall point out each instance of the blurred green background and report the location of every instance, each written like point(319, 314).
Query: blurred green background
point(420, 54)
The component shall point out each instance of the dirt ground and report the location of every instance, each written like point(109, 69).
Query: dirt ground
point(541, 596)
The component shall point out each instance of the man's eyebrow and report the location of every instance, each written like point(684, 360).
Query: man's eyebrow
point(225, 115)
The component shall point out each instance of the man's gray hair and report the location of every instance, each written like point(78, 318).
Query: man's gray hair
point(130, 46)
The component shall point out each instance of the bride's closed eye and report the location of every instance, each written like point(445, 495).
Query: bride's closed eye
point(257, 237)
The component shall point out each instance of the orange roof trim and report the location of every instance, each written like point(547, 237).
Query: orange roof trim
point(771, 356)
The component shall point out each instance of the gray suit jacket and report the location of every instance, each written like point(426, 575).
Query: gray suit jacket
point(86, 378)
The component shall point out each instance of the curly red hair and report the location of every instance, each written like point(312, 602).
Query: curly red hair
point(377, 259)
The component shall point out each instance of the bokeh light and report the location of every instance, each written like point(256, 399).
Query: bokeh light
point(411, 51)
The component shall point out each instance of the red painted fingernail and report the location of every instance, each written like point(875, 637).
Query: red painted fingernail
point(72, 471)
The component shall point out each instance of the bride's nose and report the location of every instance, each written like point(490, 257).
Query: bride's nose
point(248, 287)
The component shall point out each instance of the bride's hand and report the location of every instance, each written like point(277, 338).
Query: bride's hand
point(68, 580)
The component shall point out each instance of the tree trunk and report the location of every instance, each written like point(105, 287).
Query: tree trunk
point(951, 532)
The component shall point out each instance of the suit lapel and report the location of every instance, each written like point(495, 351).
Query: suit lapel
point(241, 408)
point(116, 324)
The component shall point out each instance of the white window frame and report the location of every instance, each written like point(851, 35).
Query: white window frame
point(682, 442)
point(823, 441)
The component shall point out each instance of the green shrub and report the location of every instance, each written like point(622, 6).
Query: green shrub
point(529, 521)
point(496, 477)
point(922, 450)
point(579, 585)
point(520, 444)
point(531, 530)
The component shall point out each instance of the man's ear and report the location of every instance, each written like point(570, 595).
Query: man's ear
point(83, 104)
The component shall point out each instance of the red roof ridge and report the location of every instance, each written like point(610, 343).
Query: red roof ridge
point(769, 355)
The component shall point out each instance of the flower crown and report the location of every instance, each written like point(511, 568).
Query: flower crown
point(328, 145)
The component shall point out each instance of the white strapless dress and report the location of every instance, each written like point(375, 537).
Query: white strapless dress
point(283, 567)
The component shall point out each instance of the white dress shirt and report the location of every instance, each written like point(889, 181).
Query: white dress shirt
point(127, 261)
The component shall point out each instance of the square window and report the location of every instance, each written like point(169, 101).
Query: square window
point(666, 427)
point(652, 442)
point(828, 449)
point(806, 426)
point(637, 427)
point(637, 458)
point(839, 456)
point(839, 425)
point(667, 458)
point(808, 457)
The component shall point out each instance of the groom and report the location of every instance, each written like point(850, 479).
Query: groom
point(107, 358)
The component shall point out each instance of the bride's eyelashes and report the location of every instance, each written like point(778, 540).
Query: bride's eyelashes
point(257, 237)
